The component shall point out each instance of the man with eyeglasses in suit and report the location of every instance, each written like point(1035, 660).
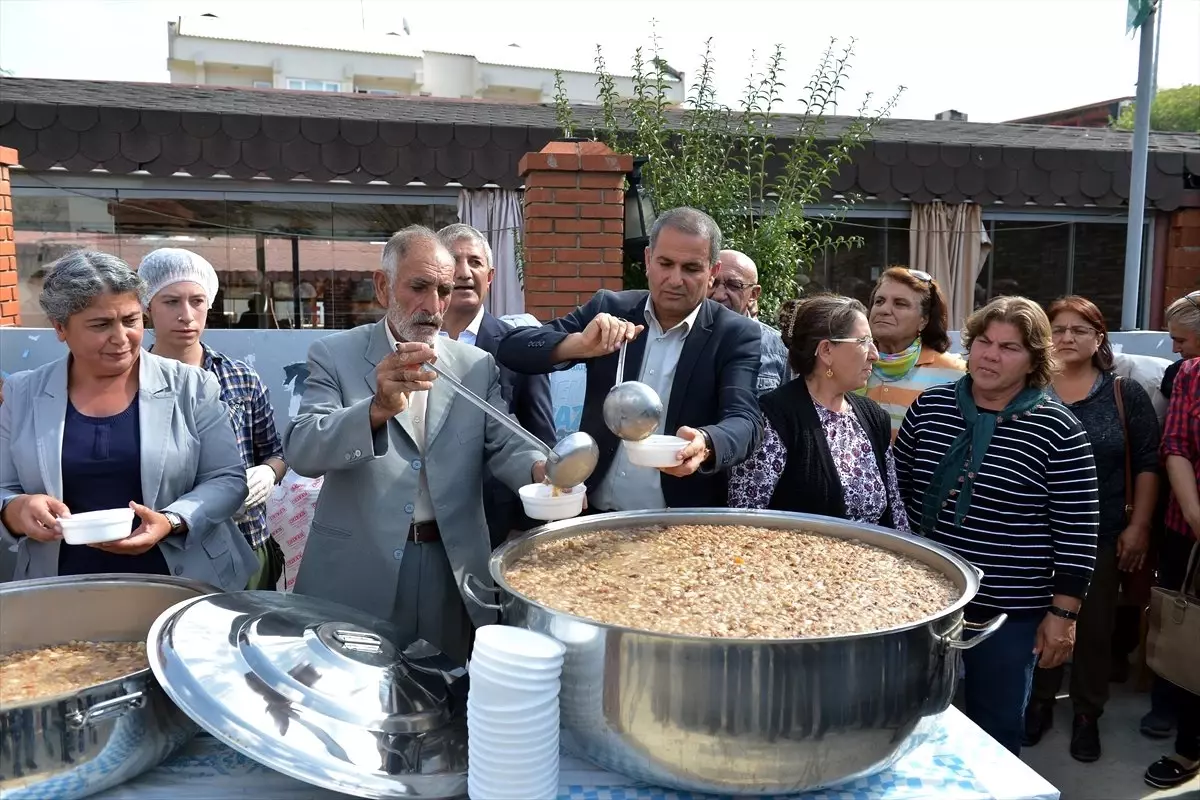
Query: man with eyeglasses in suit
point(736, 287)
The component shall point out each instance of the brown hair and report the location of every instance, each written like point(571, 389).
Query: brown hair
point(1102, 359)
point(1030, 320)
point(933, 305)
point(807, 322)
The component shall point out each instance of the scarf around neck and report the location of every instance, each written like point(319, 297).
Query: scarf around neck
point(955, 473)
point(894, 366)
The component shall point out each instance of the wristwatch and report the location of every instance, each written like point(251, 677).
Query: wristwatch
point(1062, 612)
point(176, 522)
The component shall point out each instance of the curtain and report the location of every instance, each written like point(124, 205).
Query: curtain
point(951, 244)
point(497, 214)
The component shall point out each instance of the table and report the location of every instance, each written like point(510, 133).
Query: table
point(958, 761)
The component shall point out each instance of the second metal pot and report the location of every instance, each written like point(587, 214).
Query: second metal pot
point(74, 746)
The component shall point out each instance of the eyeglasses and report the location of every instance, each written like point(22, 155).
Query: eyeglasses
point(924, 277)
point(1077, 331)
point(737, 287)
point(864, 342)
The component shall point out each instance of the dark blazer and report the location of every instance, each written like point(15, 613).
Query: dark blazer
point(714, 387)
point(528, 396)
point(529, 400)
point(810, 482)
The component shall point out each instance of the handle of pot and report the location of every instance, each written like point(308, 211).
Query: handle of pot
point(118, 706)
point(469, 591)
point(985, 630)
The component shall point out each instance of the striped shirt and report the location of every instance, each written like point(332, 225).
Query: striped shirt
point(932, 369)
point(1034, 515)
point(253, 423)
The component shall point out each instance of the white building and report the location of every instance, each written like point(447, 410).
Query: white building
point(207, 50)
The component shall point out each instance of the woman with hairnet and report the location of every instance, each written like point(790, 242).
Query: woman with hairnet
point(180, 286)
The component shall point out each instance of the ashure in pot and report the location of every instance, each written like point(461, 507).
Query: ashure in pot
point(747, 716)
point(77, 744)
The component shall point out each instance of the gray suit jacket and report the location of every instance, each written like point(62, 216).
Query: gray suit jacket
point(360, 526)
point(190, 465)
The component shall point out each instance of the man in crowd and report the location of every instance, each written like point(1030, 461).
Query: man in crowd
point(736, 287)
point(400, 520)
point(701, 358)
point(527, 397)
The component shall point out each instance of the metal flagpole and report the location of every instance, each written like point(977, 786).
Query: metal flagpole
point(1137, 177)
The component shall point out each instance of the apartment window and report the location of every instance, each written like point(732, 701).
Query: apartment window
point(380, 92)
point(310, 85)
point(264, 85)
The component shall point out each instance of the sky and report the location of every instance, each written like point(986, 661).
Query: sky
point(994, 60)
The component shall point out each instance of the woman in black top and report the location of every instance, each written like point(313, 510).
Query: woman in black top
point(824, 449)
point(1085, 385)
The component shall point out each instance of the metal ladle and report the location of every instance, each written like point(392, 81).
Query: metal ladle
point(632, 410)
point(568, 464)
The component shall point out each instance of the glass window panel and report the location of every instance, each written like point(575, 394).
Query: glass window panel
point(896, 254)
point(853, 271)
point(1030, 259)
point(46, 228)
point(1100, 267)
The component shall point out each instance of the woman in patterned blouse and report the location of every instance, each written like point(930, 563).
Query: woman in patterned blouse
point(825, 448)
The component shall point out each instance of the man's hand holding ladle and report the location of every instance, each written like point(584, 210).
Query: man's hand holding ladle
point(397, 376)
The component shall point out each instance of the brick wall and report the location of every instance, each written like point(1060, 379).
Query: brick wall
point(10, 308)
point(1183, 255)
point(574, 224)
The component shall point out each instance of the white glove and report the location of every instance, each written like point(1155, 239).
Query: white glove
point(260, 481)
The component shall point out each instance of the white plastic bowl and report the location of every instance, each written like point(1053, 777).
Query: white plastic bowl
point(543, 785)
point(514, 678)
point(656, 451)
point(94, 527)
point(540, 502)
point(495, 706)
point(510, 664)
point(521, 643)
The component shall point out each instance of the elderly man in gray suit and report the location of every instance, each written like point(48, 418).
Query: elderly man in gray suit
point(400, 522)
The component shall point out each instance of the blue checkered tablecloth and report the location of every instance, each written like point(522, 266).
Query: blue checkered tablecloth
point(957, 762)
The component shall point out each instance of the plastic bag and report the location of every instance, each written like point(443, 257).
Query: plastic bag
point(290, 510)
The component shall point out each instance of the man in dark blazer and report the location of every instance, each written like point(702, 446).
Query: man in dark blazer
point(701, 358)
point(528, 396)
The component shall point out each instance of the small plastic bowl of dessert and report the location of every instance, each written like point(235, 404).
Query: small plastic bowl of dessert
point(95, 527)
point(656, 451)
point(546, 502)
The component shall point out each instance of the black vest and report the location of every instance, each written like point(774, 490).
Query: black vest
point(810, 483)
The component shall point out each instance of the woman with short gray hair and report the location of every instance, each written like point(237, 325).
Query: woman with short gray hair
point(132, 431)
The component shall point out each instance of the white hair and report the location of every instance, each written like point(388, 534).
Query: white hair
point(457, 232)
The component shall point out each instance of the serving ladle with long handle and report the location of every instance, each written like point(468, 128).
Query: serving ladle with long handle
point(568, 464)
point(632, 409)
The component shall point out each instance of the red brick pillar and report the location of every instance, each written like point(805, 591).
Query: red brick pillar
point(574, 224)
point(10, 308)
point(1183, 255)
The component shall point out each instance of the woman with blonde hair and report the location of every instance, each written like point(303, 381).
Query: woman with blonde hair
point(992, 468)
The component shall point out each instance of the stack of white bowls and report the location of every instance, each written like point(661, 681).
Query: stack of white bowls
point(512, 715)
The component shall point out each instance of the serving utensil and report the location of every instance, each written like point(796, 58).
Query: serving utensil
point(569, 463)
point(632, 409)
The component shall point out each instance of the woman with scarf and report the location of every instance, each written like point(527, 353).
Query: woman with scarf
point(824, 449)
point(992, 468)
point(908, 318)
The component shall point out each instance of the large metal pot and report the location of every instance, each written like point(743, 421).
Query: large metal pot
point(73, 746)
point(747, 716)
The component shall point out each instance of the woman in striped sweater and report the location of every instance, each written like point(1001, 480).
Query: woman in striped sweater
point(908, 320)
point(992, 468)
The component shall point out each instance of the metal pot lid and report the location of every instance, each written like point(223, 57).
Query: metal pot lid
point(315, 690)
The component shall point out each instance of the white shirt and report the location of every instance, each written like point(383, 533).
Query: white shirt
point(628, 487)
point(471, 333)
point(418, 402)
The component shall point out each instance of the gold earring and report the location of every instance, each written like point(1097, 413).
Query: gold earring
point(829, 373)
